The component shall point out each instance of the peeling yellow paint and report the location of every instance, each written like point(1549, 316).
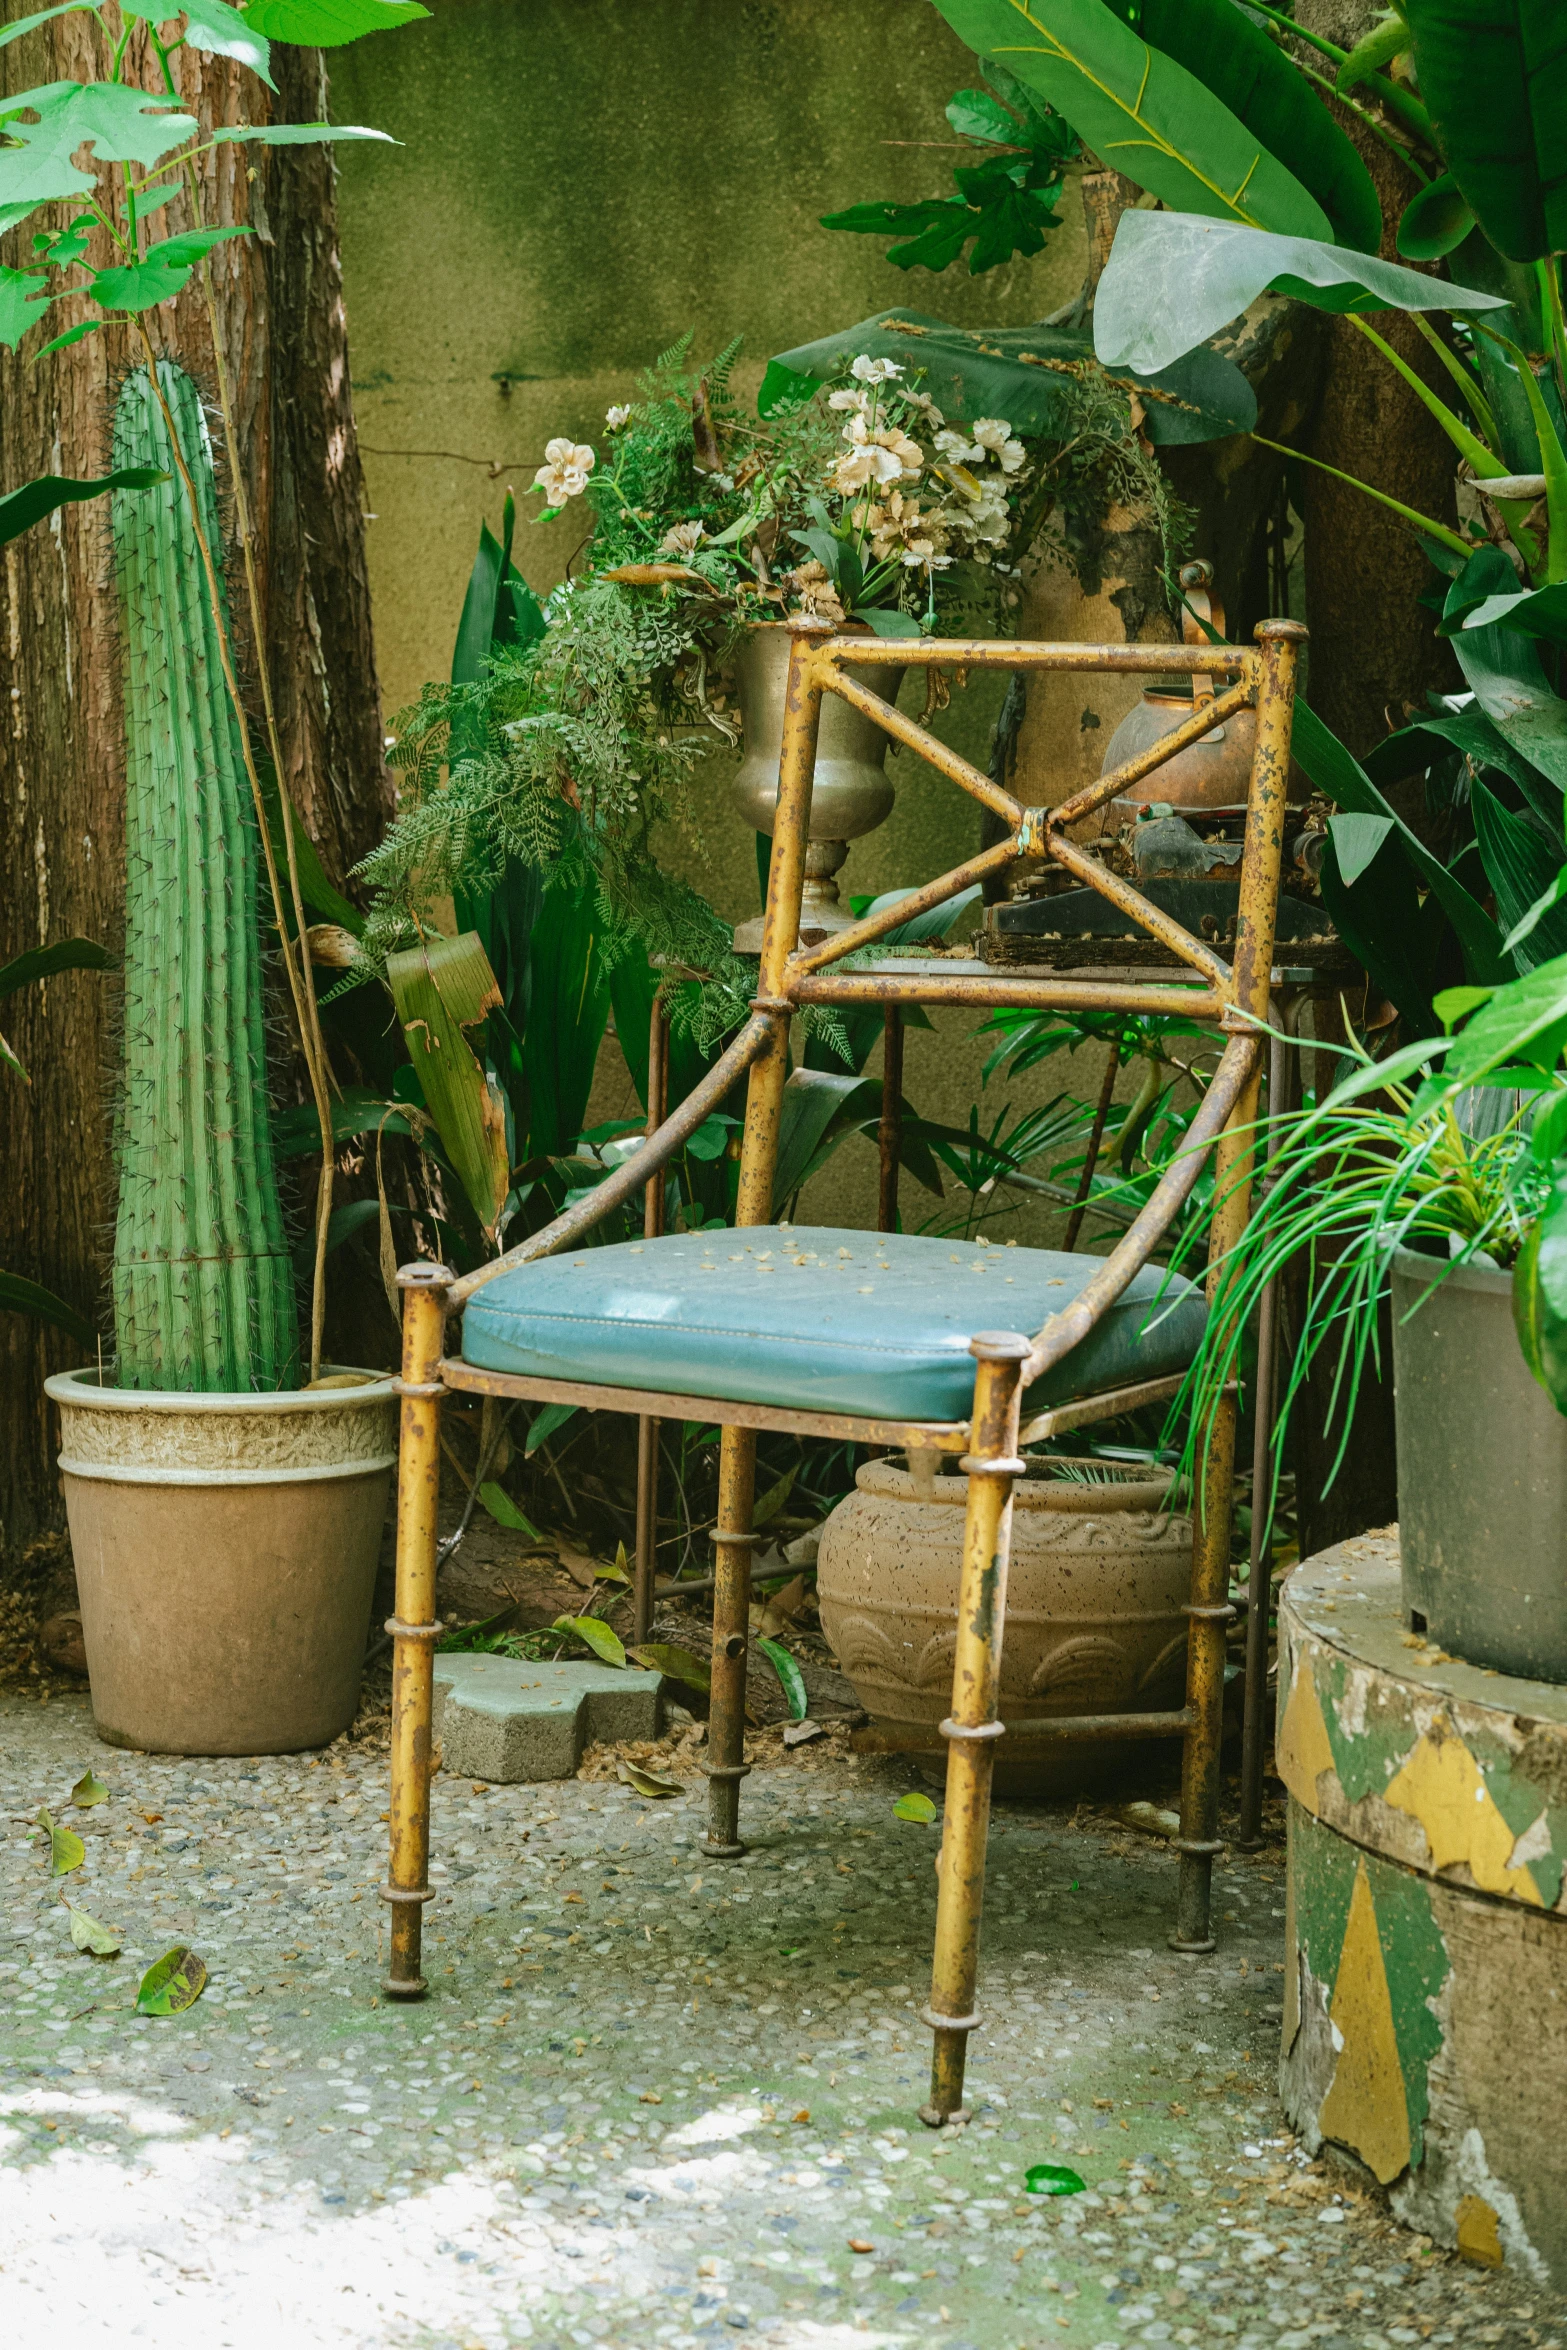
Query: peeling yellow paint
point(1303, 1752)
point(1478, 2240)
point(1441, 1787)
point(1366, 2108)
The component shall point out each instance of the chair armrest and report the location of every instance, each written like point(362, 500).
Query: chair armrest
point(637, 1171)
point(1126, 1260)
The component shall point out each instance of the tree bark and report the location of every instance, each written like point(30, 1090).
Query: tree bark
point(1374, 650)
point(278, 300)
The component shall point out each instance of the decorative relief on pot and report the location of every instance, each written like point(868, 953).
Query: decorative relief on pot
point(1100, 1573)
point(1089, 1672)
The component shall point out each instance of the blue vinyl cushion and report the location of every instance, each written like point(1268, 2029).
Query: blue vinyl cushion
point(817, 1319)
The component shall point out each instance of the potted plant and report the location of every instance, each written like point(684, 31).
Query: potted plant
point(225, 1488)
point(1439, 1175)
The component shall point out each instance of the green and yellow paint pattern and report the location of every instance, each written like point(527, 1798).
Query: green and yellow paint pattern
point(1427, 1854)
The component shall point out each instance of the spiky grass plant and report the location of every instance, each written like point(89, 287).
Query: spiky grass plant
point(1342, 1187)
point(203, 1282)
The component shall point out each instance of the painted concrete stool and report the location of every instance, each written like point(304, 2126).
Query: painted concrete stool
point(1425, 1999)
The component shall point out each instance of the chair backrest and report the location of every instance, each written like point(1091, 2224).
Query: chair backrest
point(1233, 995)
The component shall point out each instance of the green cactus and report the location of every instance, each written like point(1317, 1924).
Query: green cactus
point(203, 1283)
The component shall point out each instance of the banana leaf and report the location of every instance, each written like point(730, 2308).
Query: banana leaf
point(1174, 279)
point(1141, 111)
point(443, 989)
point(1263, 89)
point(1026, 374)
point(1492, 77)
point(1521, 865)
point(1503, 668)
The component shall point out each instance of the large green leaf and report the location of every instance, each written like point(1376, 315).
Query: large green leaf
point(213, 26)
point(37, 498)
point(1540, 1296)
point(19, 1296)
point(566, 1022)
point(66, 954)
point(1521, 1022)
point(1139, 110)
point(1377, 912)
point(24, 297)
point(1535, 611)
point(1026, 374)
point(1264, 90)
point(1521, 866)
point(1493, 74)
point(442, 989)
point(1173, 280)
point(162, 273)
point(1503, 668)
point(293, 134)
point(329, 24)
point(30, 24)
point(500, 609)
point(1339, 776)
point(120, 125)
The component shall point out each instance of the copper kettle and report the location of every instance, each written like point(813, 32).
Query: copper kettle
point(1211, 776)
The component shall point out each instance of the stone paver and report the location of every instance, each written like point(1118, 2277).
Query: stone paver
point(651, 2100)
point(499, 1718)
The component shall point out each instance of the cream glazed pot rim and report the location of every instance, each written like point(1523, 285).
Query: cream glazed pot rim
point(81, 1390)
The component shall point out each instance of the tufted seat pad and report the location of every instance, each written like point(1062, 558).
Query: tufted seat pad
point(816, 1319)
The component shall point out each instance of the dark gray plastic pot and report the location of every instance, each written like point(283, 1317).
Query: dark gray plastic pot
point(1482, 1474)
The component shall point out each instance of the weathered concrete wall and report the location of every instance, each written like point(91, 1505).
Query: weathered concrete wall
point(577, 186)
point(1424, 2026)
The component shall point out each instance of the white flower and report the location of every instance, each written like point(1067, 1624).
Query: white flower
point(565, 475)
point(994, 435)
point(858, 400)
point(874, 371)
point(682, 539)
point(933, 415)
point(615, 417)
point(960, 449)
point(874, 457)
point(899, 528)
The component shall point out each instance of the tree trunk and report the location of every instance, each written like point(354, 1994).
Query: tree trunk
point(1374, 650)
point(279, 308)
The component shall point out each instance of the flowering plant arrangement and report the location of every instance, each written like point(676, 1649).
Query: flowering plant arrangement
point(861, 503)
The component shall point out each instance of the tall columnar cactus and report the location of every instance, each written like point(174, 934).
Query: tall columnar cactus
point(203, 1284)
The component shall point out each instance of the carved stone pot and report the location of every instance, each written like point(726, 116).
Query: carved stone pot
point(1099, 1574)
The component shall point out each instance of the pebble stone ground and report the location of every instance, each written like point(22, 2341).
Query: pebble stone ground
point(651, 2100)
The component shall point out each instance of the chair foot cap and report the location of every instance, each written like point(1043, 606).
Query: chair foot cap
point(393, 1989)
point(935, 2119)
point(711, 1851)
point(1193, 1949)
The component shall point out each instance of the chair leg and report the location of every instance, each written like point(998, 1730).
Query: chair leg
point(1208, 1612)
point(647, 1528)
point(972, 1729)
point(413, 1628)
point(731, 1634)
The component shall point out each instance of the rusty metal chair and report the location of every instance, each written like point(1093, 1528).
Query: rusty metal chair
point(677, 1333)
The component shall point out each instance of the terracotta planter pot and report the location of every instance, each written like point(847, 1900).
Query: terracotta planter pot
point(226, 1550)
point(1098, 1578)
